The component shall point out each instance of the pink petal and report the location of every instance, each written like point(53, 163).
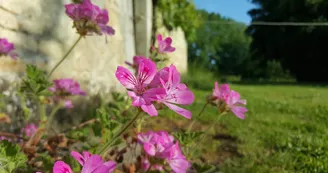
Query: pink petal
point(168, 40)
point(216, 91)
point(225, 88)
point(239, 111)
point(125, 77)
point(92, 164)
point(70, 9)
point(138, 59)
point(163, 75)
point(102, 18)
point(181, 111)
point(154, 94)
point(149, 148)
point(242, 101)
point(138, 101)
point(234, 97)
point(145, 137)
point(182, 86)
point(78, 157)
point(145, 164)
point(68, 104)
point(111, 165)
point(146, 71)
point(184, 97)
point(159, 37)
point(179, 165)
point(86, 155)
point(169, 49)
point(150, 110)
point(107, 29)
point(107, 167)
point(174, 77)
point(62, 167)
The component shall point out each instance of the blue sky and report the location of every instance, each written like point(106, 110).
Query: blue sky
point(235, 9)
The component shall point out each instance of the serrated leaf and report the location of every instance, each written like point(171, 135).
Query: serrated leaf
point(186, 138)
point(12, 156)
point(35, 82)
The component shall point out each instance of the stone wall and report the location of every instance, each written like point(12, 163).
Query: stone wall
point(43, 33)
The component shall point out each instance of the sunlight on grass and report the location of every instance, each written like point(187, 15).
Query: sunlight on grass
point(285, 130)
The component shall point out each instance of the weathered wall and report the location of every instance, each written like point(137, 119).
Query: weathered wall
point(43, 33)
point(143, 15)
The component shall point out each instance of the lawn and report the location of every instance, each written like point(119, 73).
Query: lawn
point(286, 130)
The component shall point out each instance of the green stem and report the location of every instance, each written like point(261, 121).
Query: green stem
point(65, 56)
point(199, 114)
point(52, 115)
point(42, 114)
point(107, 145)
point(206, 132)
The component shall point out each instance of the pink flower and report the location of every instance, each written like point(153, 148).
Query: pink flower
point(155, 142)
point(2, 138)
point(228, 100)
point(164, 46)
point(221, 92)
point(67, 86)
point(63, 88)
point(91, 164)
point(29, 130)
point(6, 48)
point(176, 92)
point(142, 94)
point(161, 145)
point(61, 167)
point(89, 18)
point(234, 104)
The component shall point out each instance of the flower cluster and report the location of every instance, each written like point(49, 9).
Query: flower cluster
point(228, 100)
point(90, 164)
point(160, 149)
point(3, 138)
point(29, 130)
point(63, 88)
point(89, 18)
point(150, 86)
point(6, 48)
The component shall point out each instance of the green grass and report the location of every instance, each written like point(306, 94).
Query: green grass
point(286, 130)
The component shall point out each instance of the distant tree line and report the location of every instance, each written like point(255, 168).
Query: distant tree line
point(301, 49)
point(225, 46)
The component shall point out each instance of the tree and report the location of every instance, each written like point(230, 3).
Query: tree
point(301, 49)
point(220, 45)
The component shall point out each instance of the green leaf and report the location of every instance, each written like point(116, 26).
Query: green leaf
point(11, 157)
point(35, 82)
point(187, 138)
point(204, 168)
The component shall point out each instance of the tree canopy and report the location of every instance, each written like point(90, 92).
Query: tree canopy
point(220, 45)
point(301, 49)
